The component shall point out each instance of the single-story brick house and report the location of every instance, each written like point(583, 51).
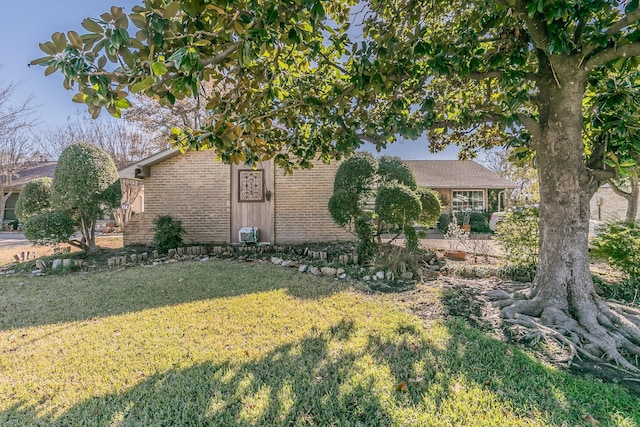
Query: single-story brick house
point(215, 201)
point(462, 184)
point(17, 182)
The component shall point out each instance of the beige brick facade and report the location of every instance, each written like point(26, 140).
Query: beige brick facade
point(197, 190)
point(192, 188)
point(301, 206)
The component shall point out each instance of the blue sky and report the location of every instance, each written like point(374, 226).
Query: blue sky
point(29, 22)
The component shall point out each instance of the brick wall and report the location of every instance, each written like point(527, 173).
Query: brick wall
point(301, 200)
point(192, 188)
point(611, 206)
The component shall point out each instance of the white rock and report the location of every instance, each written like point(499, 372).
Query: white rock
point(342, 276)
point(205, 259)
point(276, 260)
point(302, 268)
point(315, 271)
point(57, 264)
point(366, 278)
point(380, 275)
point(286, 263)
point(328, 271)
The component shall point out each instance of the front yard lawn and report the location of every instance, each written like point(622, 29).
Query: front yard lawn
point(224, 343)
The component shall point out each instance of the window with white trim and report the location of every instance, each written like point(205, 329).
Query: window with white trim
point(472, 199)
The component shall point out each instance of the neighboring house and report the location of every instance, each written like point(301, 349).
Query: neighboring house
point(17, 183)
point(462, 184)
point(607, 205)
point(214, 201)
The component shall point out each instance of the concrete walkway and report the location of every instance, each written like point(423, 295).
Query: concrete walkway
point(10, 239)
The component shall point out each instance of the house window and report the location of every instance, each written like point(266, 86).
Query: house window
point(463, 200)
point(251, 185)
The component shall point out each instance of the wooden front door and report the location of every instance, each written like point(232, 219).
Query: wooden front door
point(252, 200)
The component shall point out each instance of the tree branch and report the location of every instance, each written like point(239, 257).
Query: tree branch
point(536, 28)
point(496, 74)
point(221, 56)
point(617, 190)
point(626, 20)
point(531, 125)
point(611, 54)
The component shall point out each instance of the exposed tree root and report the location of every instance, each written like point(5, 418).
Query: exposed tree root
point(593, 330)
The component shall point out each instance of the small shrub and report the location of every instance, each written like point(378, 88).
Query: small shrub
point(431, 207)
point(49, 228)
point(619, 244)
point(168, 233)
point(34, 198)
point(444, 221)
point(479, 222)
point(626, 290)
point(518, 235)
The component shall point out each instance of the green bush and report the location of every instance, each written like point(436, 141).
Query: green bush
point(479, 222)
point(167, 233)
point(49, 228)
point(430, 207)
point(356, 174)
point(518, 235)
point(85, 186)
point(35, 198)
point(392, 169)
point(618, 242)
point(398, 204)
point(444, 221)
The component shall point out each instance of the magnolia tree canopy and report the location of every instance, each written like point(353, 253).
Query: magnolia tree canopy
point(306, 79)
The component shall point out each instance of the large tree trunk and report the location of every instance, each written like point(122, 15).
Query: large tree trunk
point(563, 300)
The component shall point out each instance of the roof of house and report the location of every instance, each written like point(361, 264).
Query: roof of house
point(28, 174)
point(458, 174)
point(130, 171)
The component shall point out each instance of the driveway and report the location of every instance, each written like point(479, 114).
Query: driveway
point(12, 240)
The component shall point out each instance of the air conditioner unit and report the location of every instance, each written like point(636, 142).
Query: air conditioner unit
point(248, 235)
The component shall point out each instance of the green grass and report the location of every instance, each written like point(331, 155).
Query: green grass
point(224, 343)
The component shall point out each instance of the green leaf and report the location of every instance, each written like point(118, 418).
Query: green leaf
point(142, 85)
point(159, 69)
point(171, 10)
point(138, 20)
point(91, 25)
point(60, 41)
point(40, 60)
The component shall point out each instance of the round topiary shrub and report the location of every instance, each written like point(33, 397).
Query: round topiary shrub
point(430, 207)
point(394, 169)
point(398, 204)
point(49, 228)
point(35, 198)
point(356, 174)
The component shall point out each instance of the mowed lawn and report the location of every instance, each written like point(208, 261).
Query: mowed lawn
point(223, 343)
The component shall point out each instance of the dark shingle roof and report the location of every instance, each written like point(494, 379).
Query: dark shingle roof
point(460, 174)
point(38, 170)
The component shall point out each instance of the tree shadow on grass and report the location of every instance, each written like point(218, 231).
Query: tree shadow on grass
point(323, 380)
point(76, 297)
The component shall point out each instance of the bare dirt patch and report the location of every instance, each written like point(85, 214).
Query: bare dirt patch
point(102, 242)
